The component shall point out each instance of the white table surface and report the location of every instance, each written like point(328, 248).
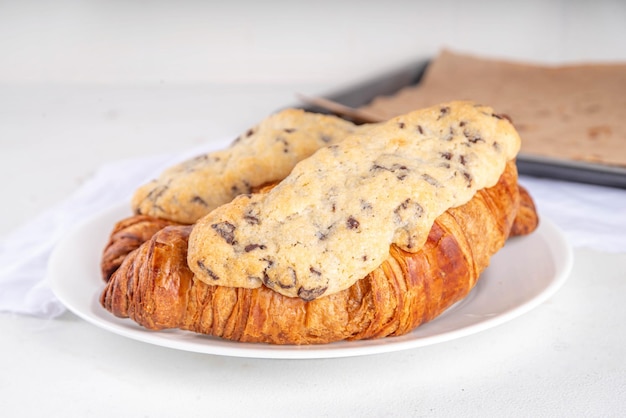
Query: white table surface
point(564, 358)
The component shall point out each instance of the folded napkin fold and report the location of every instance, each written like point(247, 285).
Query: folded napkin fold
point(589, 216)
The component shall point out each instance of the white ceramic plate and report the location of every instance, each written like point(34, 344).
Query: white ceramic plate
point(526, 272)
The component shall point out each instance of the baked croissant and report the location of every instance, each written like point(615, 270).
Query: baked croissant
point(155, 287)
point(127, 235)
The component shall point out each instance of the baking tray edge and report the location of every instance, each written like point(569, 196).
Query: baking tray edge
point(410, 74)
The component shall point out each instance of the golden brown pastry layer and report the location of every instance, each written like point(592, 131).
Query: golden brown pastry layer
point(155, 287)
point(127, 235)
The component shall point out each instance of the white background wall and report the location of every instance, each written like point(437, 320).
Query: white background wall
point(117, 41)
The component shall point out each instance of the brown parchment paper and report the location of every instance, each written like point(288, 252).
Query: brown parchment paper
point(573, 112)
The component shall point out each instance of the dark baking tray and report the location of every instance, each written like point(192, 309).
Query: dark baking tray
point(410, 74)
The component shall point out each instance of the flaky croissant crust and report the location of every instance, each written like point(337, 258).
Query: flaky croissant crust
point(154, 286)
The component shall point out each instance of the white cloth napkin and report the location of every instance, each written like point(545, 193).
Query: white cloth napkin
point(590, 216)
point(24, 253)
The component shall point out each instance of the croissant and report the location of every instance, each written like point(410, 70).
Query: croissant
point(127, 235)
point(155, 287)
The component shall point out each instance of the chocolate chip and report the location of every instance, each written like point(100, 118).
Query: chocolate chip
point(251, 217)
point(420, 130)
point(403, 205)
point(443, 112)
point(472, 137)
point(407, 210)
point(314, 271)
point(290, 279)
point(226, 230)
point(157, 192)
point(352, 223)
point(450, 135)
point(310, 294)
point(207, 270)
point(377, 167)
point(251, 247)
point(289, 130)
point(446, 155)
point(401, 171)
point(286, 281)
point(502, 116)
point(269, 262)
point(401, 125)
point(285, 144)
point(238, 189)
point(266, 280)
point(252, 220)
point(250, 132)
point(468, 178)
